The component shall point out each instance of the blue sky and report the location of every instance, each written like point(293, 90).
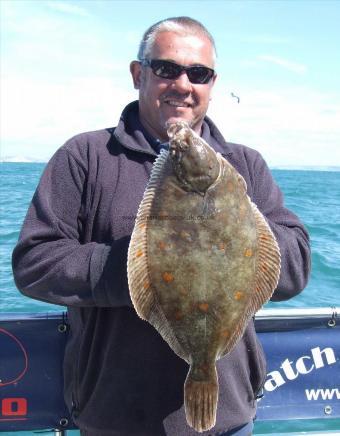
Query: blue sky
point(65, 70)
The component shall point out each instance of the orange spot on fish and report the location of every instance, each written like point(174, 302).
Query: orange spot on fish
point(142, 225)
point(203, 307)
point(238, 295)
point(225, 333)
point(230, 186)
point(204, 367)
point(139, 253)
point(221, 246)
point(178, 315)
point(162, 245)
point(264, 267)
point(146, 284)
point(242, 211)
point(168, 277)
point(248, 252)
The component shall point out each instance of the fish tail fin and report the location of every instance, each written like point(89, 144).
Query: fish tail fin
point(200, 400)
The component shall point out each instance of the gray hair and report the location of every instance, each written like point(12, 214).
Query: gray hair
point(179, 25)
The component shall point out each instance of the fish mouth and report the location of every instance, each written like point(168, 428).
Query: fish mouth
point(178, 149)
point(180, 140)
point(173, 130)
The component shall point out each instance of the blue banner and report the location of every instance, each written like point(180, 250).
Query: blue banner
point(303, 370)
point(31, 386)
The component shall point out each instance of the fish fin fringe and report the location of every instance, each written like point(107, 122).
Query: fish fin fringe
point(200, 402)
point(140, 288)
point(141, 291)
point(268, 262)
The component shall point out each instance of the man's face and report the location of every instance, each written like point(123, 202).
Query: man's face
point(165, 100)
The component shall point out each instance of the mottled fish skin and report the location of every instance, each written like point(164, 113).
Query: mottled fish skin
point(202, 260)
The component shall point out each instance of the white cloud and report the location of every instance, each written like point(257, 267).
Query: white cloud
point(288, 126)
point(68, 8)
point(285, 63)
point(37, 116)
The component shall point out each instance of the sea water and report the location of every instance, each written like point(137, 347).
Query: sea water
point(312, 195)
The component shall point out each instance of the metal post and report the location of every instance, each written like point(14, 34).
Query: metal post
point(60, 432)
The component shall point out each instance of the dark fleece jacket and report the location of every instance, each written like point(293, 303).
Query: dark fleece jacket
point(120, 375)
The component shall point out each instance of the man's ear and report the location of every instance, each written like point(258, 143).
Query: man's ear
point(136, 71)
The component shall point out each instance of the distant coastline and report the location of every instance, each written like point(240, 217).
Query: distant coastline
point(332, 168)
point(21, 159)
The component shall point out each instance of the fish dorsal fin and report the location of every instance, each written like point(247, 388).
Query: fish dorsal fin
point(158, 168)
point(268, 262)
point(142, 295)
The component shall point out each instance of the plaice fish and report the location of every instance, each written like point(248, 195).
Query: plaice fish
point(202, 260)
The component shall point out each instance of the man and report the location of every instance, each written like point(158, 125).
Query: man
point(121, 378)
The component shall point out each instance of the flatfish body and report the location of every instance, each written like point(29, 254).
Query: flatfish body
point(202, 260)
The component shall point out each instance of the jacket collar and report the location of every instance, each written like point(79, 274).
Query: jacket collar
point(130, 132)
point(132, 135)
point(214, 137)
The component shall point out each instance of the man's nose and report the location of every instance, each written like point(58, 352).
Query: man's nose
point(182, 83)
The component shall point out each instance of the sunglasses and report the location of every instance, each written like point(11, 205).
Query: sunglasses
point(170, 70)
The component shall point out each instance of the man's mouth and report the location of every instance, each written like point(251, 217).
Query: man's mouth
point(177, 103)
